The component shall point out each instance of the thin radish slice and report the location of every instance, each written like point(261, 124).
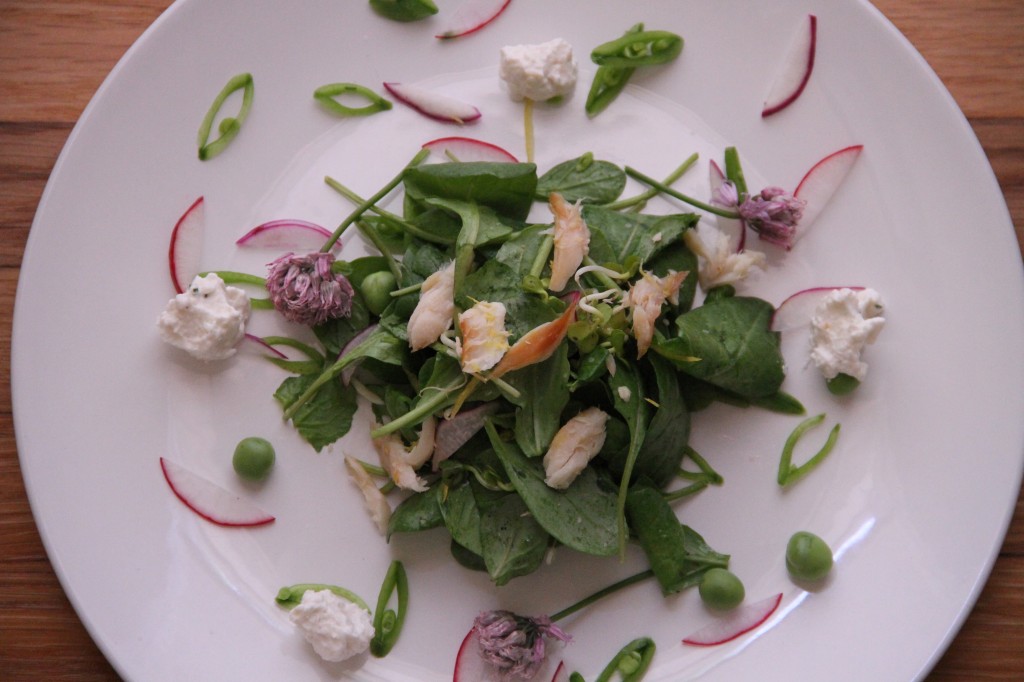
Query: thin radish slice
point(470, 666)
point(796, 69)
point(453, 433)
point(468, 149)
point(739, 621)
point(187, 245)
point(821, 182)
point(209, 500)
point(561, 673)
point(256, 342)
point(471, 16)
point(432, 104)
point(297, 235)
point(735, 229)
point(795, 312)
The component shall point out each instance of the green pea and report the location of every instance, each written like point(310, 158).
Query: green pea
point(842, 384)
point(721, 589)
point(253, 458)
point(808, 557)
point(404, 10)
point(376, 289)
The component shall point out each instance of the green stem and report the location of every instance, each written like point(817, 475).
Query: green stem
point(604, 279)
point(365, 205)
point(604, 592)
point(370, 233)
point(651, 193)
point(289, 342)
point(734, 171)
point(665, 189)
point(405, 225)
point(541, 259)
point(424, 408)
point(411, 289)
point(232, 277)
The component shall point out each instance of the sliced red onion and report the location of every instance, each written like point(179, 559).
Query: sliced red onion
point(433, 104)
point(290, 234)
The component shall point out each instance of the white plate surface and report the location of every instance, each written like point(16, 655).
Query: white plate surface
point(915, 499)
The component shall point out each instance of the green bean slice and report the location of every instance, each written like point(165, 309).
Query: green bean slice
point(327, 96)
point(229, 126)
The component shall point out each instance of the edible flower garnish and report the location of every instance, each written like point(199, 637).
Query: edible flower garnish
point(305, 290)
point(515, 644)
point(773, 213)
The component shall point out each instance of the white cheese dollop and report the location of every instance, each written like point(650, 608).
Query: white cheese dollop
point(538, 72)
point(843, 323)
point(337, 628)
point(207, 320)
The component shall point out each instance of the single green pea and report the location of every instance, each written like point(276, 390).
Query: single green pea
point(721, 589)
point(808, 557)
point(253, 458)
point(376, 289)
point(842, 384)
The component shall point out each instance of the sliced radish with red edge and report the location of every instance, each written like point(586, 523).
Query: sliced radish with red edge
point(739, 621)
point(795, 312)
point(561, 673)
point(734, 228)
point(469, 149)
point(433, 104)
point(187, 245)
point(297, 235)
point(471, 16)
point(796, 69)
point(209, 500)
point(821, 182)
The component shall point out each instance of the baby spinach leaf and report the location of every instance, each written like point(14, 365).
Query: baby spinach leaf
point(581, 517)
point(519, 251)
point(544, 390)
point(628, 398)
point(618, 237)
point(508, 188)
point(419, 511)
point(495, 281)
point(334, 334)
point(513, 543)
point(462, 517)
point(583, 179)
point(729, 344)
point(326, 416)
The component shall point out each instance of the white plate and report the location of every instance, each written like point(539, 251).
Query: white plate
point(915, 499)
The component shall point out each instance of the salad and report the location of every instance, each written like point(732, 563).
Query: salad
point(531, 343)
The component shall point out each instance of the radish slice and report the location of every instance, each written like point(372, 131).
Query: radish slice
point(821, 182)
point(739, 621)
point(470, 666)
point(561, 673)
point(432, 104)
point(187, 245)
point(796, 69)
point(735, 229)
point(257, 342)
point(796, 311)
point(298, 235)
point(209, 500)
point(453, 433)
point(468, 149)
point(471, 16)
point(346, 374)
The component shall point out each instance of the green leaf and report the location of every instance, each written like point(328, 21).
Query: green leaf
point(462, 517)
point(519, 251)
point(507, 188)
point(544, 391)
point(512, 541)
point(581, 517)
point(419, 511)
point(619, 237)
point(326, 416)
point(583, 179)
point(729, 344)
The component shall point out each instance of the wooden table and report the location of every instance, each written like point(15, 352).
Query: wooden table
point(55, 53)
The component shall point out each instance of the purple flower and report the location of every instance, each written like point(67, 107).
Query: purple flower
point(773, 213)
point(514, 644)
point(304, 289)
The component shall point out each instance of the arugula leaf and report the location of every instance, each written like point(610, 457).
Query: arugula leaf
point(583, 179)
point(729, 344)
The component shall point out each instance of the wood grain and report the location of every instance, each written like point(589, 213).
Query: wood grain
point(55, 53)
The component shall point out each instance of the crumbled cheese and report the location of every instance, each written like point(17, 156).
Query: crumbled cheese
point(844, 322)
point(337, 628)
point(207, 320)
point(538, 72)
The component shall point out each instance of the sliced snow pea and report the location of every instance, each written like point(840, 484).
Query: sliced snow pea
point(291, 596)
point(327, 96)
point(609, 81)
point(228, 127)
point(643, 48)
point(387, 623)
point(404, 10)
point(631, 663)
point(788, 472)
